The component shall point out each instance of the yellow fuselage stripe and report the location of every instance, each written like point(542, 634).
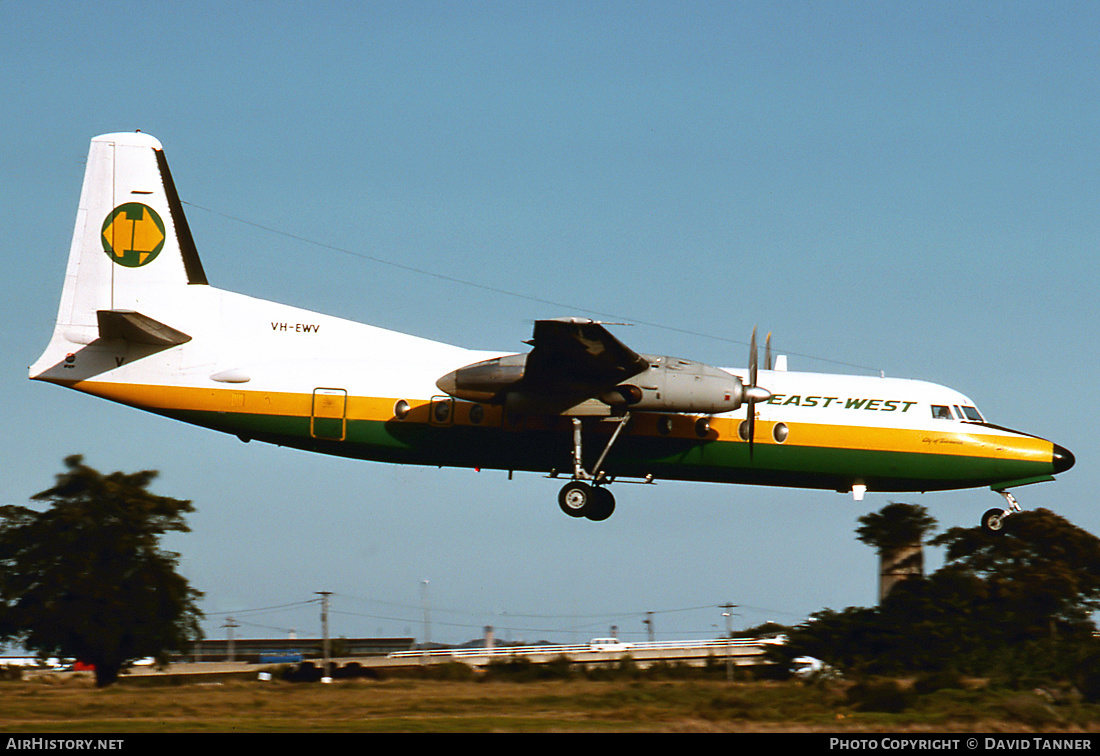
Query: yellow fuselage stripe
point(960, 440)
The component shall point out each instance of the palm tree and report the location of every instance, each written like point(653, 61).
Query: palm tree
point(897, 532)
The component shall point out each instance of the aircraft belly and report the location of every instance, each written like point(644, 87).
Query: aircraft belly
point(671, 459)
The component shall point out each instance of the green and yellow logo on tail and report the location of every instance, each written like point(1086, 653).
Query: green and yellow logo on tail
point(133, 234)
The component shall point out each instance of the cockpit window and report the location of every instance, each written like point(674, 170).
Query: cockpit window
point(941, 412)
point(972, 414)
point(965, 413)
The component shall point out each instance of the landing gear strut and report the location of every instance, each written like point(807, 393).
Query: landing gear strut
point(585, 495)
point(993, 521)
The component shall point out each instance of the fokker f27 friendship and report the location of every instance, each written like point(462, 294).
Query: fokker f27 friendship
point(140, 325)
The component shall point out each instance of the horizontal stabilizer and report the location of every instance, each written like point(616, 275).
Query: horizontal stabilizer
point(128, 325)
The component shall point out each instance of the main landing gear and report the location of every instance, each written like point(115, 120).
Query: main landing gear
point(586, 494)
point(993, 521)
point(579, 499)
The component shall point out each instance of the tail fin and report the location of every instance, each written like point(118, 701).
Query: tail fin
point(132, 250)
point(131, 238)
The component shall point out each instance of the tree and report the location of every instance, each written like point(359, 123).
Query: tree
point(1014, 605)
point(1042, 574)
point(87, 579)
point(896, 531)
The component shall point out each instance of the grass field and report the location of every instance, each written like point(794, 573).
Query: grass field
point(413, 705)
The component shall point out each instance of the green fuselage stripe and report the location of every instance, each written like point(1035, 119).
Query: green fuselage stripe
point(633, 456)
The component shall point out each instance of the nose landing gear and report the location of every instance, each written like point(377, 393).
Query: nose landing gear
point(993, 521)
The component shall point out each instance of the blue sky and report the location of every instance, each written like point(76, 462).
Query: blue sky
point(905, 187)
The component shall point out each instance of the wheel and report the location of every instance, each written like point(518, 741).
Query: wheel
point(575, 498)
point(602, 504)
point(993, 521)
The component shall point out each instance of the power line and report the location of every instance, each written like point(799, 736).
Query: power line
point(504, 292)
point(276, 607)
point(504, 620)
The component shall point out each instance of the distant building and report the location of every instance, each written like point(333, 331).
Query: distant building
point(283, 649)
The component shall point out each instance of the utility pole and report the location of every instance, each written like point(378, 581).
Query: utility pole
point(326, 676)
point(728, 614)
point(230, 623)
point(427, 620)
point(648, 622)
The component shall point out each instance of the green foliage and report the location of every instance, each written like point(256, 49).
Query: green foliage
point(941, 679)
point(895, 526)
point(1088, 677)
point(453, 671)
point(766, 630)
point(86, 578)
point(880, 696)
point(1014, 606)
point(625, 669)
point(1042, 574)
point(522, 669)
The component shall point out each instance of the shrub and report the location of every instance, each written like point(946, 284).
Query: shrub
point(885, 696)
point(522, 669)
point(933, 681)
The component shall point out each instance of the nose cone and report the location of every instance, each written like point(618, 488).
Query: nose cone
point(1062, 458)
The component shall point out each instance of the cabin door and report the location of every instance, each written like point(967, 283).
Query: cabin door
point(328, 416)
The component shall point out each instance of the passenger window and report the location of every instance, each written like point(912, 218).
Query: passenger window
point(940, 412)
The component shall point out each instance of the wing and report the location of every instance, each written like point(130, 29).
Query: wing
point(578, 356)
point(571, 360)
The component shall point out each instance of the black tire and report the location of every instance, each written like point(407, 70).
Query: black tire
point(602, 504)
point(575, 499)
point(993, 521)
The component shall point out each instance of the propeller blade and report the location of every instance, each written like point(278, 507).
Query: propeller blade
point(768, 352)
point(750, 402)
point(752, 358)
point(754, 393)
point(752, 428)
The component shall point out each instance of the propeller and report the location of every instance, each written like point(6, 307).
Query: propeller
point(753, 392)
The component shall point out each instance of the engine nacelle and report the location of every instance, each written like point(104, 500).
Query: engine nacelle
point(487, 381)
point(671, 384)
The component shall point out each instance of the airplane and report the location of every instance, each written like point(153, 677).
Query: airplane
point(139, 324)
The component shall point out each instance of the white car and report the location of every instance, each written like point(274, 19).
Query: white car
point(808, 668)
point(608, 644)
